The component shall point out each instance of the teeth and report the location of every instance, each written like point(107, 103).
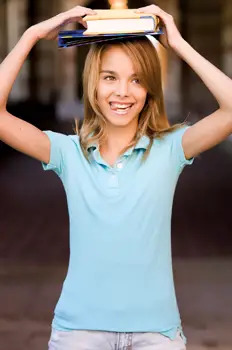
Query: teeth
point(117, 105)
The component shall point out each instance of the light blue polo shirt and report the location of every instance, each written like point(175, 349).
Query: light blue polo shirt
point(120, 270)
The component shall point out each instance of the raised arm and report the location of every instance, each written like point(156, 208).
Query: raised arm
point(15, 132)
point(214, 128)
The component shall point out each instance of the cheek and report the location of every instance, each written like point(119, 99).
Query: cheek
point(141, 97)
point(102, 94)
point(102, 90)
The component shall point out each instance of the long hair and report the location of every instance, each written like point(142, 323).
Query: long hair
point(152, 122)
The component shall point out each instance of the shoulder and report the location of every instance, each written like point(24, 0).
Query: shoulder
point(172, 143)
point(62, 139)
point(171, 138)
point(74, 139)
point(176, 134)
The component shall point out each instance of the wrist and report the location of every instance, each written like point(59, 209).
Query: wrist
point(179, 45)
point(32, 34)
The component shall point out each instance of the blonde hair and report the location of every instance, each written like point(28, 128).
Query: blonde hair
point(153, 120)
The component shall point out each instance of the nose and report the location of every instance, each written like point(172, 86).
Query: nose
point(122, 88)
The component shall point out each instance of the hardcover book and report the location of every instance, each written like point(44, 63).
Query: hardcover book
point(111, 25)
point(120, 21)
point(77, 37)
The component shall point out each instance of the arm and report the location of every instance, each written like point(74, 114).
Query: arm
point(214, 128)
point(13, 131)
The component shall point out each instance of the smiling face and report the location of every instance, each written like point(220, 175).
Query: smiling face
point(120, 96)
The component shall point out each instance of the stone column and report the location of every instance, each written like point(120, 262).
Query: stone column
point(16, 24)
point(227, 47)
point(227, 37)
point(3, 31)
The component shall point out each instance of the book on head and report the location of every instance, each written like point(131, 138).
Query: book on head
point(120, 21)
point(77, 38)
point(102, 27)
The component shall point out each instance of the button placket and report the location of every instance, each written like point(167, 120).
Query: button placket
point(113, 180)
point(119, 165)
point(114, 172)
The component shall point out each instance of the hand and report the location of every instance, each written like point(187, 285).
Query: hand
point(171, 35)
point(50, 28)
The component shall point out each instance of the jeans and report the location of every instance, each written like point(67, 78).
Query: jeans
point(101, 340)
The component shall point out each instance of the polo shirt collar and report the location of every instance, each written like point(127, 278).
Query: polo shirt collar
point(142, 143)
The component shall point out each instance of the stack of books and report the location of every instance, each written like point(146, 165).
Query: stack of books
point(109, 25)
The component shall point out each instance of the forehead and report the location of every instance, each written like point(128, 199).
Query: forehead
point(116, 59)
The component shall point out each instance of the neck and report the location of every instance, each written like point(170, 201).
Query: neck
point(117, 139)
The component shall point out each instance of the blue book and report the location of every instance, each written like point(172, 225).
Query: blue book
point(68, 38)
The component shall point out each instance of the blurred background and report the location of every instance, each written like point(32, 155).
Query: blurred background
point(33, 217)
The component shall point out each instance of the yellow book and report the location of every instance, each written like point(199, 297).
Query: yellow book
point(120, 21)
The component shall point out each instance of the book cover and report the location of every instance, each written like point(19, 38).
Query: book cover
point(77, 38)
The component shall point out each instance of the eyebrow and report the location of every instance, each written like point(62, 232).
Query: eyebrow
point(115, 73)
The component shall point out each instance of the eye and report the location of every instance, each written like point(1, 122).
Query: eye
point(136, 81)
point(109, 77)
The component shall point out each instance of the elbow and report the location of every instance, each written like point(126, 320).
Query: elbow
point(3, 113)
point(3, 103)
point(2, 109)
point(226, 107)
point(227, 117)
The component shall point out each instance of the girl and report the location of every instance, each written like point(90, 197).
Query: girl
point(119, 173)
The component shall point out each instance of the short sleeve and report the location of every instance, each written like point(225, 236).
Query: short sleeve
point(58, 146)
point(177, 147)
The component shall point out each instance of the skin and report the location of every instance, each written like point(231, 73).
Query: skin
point(118, 83)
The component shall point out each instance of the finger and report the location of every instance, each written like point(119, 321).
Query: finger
point(74, 19)
point(163, 41)
point(78, 14)
point(156, 10)
point(145, 9)
point(162, 38)
point(80, 20)
point(85, 11)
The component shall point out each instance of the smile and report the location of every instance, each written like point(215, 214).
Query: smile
point(120, 108)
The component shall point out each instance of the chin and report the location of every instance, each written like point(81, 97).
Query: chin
point(120, 120)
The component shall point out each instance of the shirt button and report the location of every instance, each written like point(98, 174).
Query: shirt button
point(119, 165)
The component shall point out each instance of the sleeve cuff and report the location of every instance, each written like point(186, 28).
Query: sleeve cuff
point(54, 154)
point(183, 159)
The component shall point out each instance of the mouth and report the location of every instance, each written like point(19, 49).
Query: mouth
point(121, 108)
